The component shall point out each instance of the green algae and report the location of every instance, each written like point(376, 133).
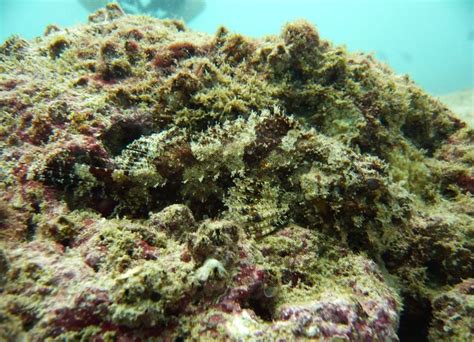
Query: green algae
point(158, 183)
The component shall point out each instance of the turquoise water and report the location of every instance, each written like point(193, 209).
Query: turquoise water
point(431, 40)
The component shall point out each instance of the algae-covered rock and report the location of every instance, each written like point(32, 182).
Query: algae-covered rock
point(454, 313)
point(163, 184)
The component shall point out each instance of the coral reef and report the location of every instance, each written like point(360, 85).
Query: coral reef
point(163, 184)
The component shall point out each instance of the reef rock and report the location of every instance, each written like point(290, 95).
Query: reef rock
point(163, 184)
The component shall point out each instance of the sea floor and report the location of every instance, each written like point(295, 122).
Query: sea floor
point(462, 103)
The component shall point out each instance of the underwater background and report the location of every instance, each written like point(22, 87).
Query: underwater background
point(431, 40)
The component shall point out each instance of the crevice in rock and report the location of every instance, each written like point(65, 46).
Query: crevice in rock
point(123, 132)
point(415, 320)
point(262, 310)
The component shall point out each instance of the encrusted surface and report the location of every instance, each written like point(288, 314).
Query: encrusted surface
point(160, 183)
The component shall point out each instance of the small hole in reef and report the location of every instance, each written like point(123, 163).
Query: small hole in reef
point(155, 296)
point(415, 320)
point(122, 133)
point(261, 306)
